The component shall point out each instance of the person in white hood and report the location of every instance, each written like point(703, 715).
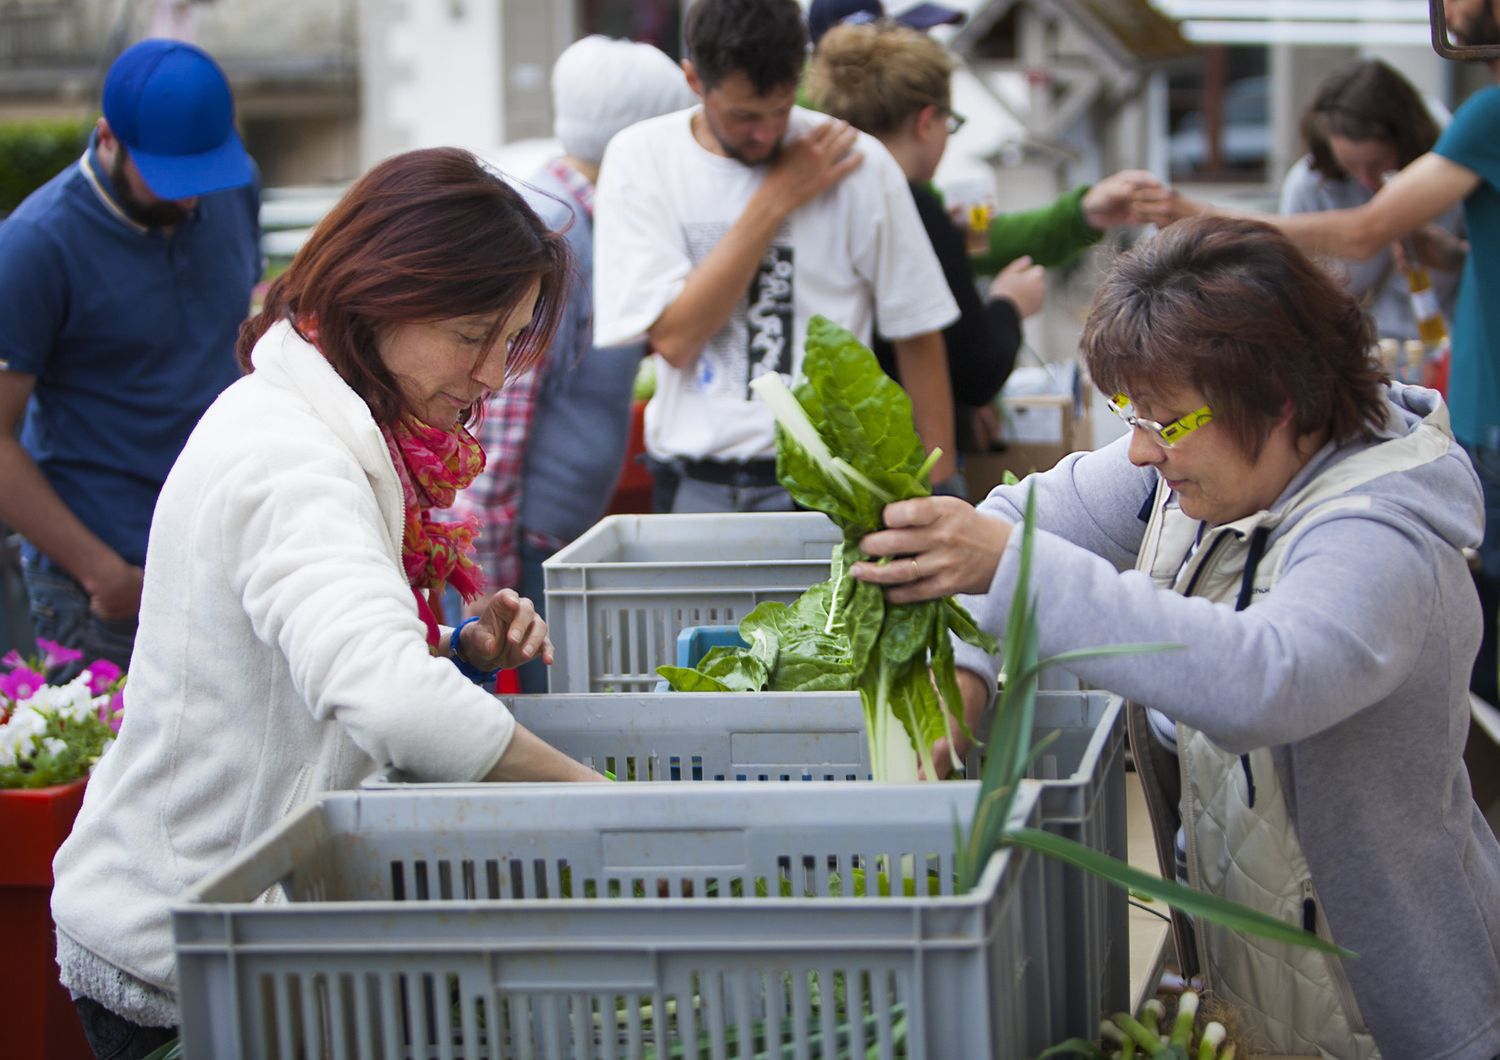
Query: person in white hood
point(287, 644)
point(1295, 524)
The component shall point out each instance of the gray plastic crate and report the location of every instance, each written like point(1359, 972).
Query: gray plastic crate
point(698, 735)
point(1083, 798)
point(821, 736)
point(437, 924)
point(618, 596)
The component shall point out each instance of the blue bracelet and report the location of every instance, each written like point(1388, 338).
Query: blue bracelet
point(472, 672)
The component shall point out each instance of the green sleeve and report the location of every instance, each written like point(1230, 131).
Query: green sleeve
point(1052, 235)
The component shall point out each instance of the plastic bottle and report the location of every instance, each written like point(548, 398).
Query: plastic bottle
point(1431, 325)
point(1435, 368)
point(1424, 303)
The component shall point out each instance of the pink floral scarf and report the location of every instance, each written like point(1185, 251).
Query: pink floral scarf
point(433, 465)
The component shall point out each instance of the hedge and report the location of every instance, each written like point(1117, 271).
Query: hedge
point(33, 152)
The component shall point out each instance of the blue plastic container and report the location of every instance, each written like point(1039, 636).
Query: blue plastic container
point(694, 642)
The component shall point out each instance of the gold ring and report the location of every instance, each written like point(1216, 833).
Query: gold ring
point(916, 571)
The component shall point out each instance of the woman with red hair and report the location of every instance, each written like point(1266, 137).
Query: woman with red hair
point(287, 644)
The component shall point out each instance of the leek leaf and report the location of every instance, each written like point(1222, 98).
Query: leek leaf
point(1189, 900)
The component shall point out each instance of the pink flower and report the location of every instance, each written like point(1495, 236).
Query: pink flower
point(102, 674)
point(116, 711)
point(21, 683)
point(55, 654)
point(12, 659)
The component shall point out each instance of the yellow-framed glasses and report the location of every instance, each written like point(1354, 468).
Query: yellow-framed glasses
point(1165, 434)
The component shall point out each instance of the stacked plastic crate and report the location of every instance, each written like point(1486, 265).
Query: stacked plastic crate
point(814, 920)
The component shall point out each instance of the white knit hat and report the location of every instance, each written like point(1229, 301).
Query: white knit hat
point(601, 85)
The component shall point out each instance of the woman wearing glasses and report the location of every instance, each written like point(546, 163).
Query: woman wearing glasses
point(1295, 524)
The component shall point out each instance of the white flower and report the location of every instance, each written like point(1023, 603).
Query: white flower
point(54, 746)
point(18, 737)
point(74, 700)
point(28, 721)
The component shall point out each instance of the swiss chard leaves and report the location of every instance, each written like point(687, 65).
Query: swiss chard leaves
point(841, 634)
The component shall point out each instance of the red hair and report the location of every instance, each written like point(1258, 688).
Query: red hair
point(1231, 308)
point(427, 235)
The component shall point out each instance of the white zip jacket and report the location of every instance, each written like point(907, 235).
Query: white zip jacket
point(279, 655)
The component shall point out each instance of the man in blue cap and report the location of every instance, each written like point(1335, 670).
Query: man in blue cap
point(123, 282)
point(823, 15)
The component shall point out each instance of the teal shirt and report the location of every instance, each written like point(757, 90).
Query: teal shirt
point(1474, 381)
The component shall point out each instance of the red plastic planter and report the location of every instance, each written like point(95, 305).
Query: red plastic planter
point(41, 1023)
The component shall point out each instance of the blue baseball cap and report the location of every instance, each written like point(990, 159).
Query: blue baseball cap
point(169, 104)
point(823, 15)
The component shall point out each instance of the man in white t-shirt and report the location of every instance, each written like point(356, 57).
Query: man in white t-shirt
point(720, 230)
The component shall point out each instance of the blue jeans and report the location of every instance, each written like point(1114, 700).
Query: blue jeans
point(60, 612)
point(113, 1037)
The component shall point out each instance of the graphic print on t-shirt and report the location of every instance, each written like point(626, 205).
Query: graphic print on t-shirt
point(759, 335)
point(768, 315)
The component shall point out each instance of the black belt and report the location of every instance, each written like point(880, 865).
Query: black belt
point(742, 474)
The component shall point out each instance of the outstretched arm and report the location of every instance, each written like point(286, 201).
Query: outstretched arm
point(1414, 197)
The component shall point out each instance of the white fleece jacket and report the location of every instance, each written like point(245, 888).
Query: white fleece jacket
point(279, 655)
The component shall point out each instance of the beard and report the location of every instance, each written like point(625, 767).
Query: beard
point(733, 150)
point(1482, 29)
point(162, 214)
point(734, 153)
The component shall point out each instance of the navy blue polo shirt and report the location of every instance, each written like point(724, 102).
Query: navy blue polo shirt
point(130, 333)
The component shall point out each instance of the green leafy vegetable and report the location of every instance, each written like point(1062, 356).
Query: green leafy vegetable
point(846, 447)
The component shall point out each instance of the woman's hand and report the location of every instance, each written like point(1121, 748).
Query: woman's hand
point(509, 632)
point(944, 546)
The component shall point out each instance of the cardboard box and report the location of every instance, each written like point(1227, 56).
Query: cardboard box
point(1039, 430)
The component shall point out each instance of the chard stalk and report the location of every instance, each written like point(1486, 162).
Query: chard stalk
point(924, 752)
point(1148, 1041)
point(833, 597)
point(1187, 1012)
point(789, 412)
point(932, 458)
point(1213, 1037)
point(850, 472)
point(891, 760)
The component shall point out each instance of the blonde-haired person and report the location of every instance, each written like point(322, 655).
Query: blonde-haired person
point(895, 84)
